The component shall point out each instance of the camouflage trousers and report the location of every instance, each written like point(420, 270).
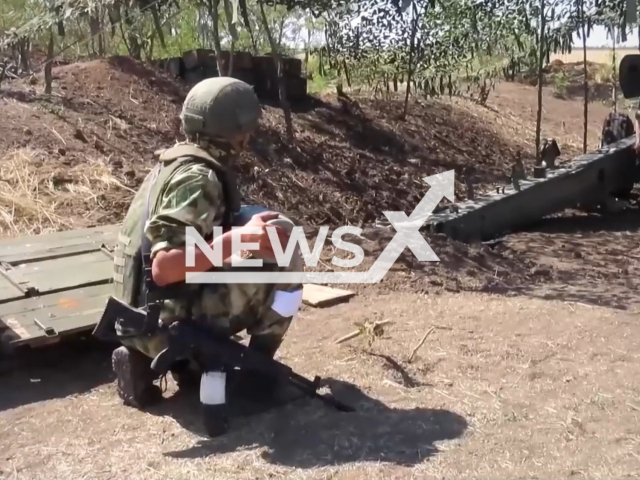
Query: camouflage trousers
point(265, 311)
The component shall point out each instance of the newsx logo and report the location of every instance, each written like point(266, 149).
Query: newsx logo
point(407, 235)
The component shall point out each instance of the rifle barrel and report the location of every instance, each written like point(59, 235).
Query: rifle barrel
point(309, 388)
point(235, 354)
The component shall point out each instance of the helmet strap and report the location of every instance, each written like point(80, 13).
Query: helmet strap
point(237, 144)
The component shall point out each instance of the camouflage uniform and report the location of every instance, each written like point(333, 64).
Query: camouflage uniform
point(193, 188)
point(194, 197)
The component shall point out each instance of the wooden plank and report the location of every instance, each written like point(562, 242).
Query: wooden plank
point(8, 291)
point(67, 312)
point(17, 250)
point(47, 238)
point(322, 296)
point(33, 335)
point(64, 300)
point(53, 252)
point(64, 273)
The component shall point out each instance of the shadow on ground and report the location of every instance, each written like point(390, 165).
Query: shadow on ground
point(306, 434)
point(584, 258)
point(625, 221)
point(309, 104)
point(57, 371)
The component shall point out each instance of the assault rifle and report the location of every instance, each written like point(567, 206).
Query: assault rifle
point(210, 351)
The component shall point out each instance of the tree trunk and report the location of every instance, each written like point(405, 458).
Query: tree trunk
point(23, 48)
point(306, 51)
point(102, 43)
point(124, 38)
point(135, 49)
point(212, 6)
point(151, 45)
point(346, 73)
point(281, 32)
point(48, 66)
point(232, 31)
point(414, 29)
point(321, 71)
point(540, 79)
point(86, 44)
point(586, 78)
point(94, 28)
point(231, 50)
point(245, 16)
point(615, 70)
point(282, 89)
point(156, 24)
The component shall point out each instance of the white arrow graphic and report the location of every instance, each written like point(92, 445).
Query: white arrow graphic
point(407, 235)
point(442, 185)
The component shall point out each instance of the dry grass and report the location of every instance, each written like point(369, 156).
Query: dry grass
point(34, 198)
point(596, 55)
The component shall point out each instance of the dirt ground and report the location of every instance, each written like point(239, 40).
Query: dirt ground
point(528, 368)
point(502, 388)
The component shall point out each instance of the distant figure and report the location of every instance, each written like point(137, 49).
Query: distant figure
point(618, 126)
point(518, 172)
point(549, 152)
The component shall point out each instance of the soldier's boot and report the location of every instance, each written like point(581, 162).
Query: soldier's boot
point(135, 378)
point(267, 345)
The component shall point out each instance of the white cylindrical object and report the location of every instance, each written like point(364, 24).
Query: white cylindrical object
point(287, 304)
point(213, 388)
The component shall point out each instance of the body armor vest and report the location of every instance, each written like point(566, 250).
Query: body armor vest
point(132, 244)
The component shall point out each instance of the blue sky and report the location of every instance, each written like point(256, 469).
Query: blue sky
point(599, 38)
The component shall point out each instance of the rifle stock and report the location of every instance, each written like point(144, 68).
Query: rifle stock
point(117, 311)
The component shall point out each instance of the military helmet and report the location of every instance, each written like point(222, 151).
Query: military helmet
point(220, 107)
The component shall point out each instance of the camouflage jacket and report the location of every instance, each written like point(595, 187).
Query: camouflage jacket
point(193, 197)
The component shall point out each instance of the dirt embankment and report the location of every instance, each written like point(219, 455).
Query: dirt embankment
point(345, 167)
point(76, 159)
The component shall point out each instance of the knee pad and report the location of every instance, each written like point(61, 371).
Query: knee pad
point(287, 304)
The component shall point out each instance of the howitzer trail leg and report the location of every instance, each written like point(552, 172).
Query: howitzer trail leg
point(135, 378)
